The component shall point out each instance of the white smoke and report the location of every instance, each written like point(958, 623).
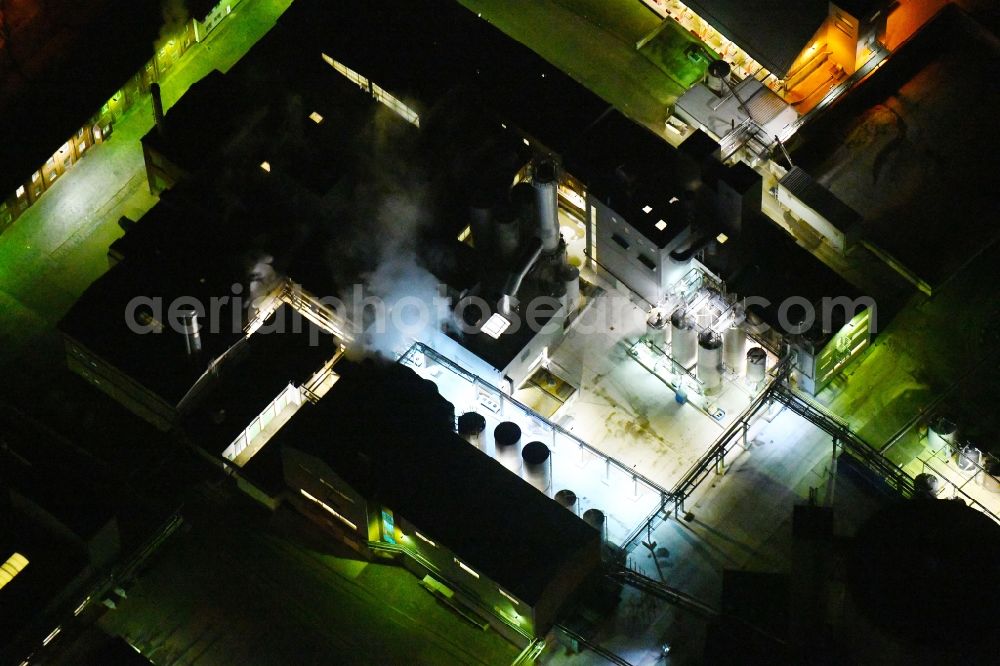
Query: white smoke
point(401, 300)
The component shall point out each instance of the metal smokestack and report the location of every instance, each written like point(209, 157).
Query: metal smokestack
point(192, 332)
point(545, 181)
point(154, 90)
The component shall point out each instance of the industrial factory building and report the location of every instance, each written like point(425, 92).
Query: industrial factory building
point(782, 43)
point(378, 462)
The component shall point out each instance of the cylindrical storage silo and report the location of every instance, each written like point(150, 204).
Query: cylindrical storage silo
point(710, 361)
point(537, 469)
point(595, 518)
point(968, 458)
point(567, 498)
point(734, 348)
point(990, 478)
point(756, 365)
point(657, 329)
point(571, 280)
point(471, 426)
point(507, 440)
point(718, 72)
point(683, 339)
point(941, 436)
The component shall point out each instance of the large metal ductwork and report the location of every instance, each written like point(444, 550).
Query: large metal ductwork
point(515, 280)
point(545, 180)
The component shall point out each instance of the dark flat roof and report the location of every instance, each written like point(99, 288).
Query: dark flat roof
point(913, 147)
point(390, 435)
point(766, 262)
point(452, 47)
point(773, 32)
point(51, 568)
point(628, 168)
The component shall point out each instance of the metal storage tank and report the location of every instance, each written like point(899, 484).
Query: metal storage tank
point(734, 348)
point(941, 436)
point(756, 365)
point(710, 361)
point(990, 479)
point(595, 518)
point(571, 280)
point(471, 426)
point(927, 485)
point(968, 458)
point(715, 77)
point(545, 181)
point(192, 332)
point(567, 498)
point(537, 468)
point(683, 339)
point(507, 439)
point(657, 330)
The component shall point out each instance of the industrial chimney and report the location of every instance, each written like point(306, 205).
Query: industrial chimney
point(545, 181)
point(154, 90)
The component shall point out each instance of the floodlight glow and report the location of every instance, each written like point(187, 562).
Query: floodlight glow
point(266, 166)
point(495, 325)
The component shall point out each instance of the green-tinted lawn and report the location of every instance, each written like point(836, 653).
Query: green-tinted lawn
point(668, 52)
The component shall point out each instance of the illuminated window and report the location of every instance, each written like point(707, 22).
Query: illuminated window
point(266, 166)
point(329, 509)
point(647, 209)
point(526, 142)
point(495, 325)
point(13, 566)
point(661, 225)
point(466, 568)
point(51, 636)
point(465, 234)
point(20, 192)
point(516, 602)
point(722, 238)
point(316, 117)
point(424, 539)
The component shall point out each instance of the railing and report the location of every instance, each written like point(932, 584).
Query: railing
point(662, 591)
point(850, 442)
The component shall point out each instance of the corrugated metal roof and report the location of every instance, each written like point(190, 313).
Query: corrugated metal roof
point(820, 199)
